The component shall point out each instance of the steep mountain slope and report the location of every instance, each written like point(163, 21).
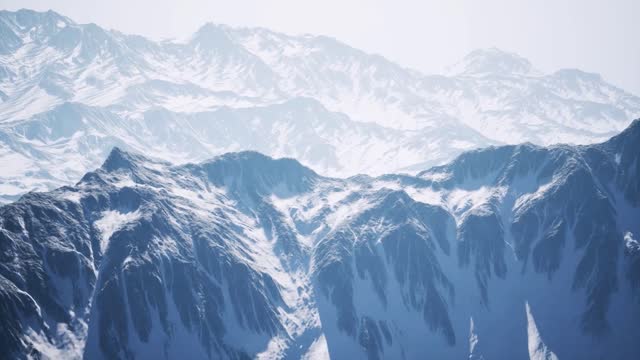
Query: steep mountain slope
point(405, 119)
point(55, 148)
point(513, 251)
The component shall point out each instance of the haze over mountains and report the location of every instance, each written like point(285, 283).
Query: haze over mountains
point(180, 232)
point(70, 92)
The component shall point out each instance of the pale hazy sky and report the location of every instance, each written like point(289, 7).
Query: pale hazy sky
point(596, 36)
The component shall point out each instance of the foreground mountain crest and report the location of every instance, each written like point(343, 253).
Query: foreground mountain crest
point(513, 251)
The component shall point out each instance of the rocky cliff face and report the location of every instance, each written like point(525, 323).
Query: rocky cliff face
point(514, 251)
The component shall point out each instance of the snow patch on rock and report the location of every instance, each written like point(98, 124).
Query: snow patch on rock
point(112, 221)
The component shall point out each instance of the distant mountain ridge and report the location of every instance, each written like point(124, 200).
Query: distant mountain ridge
point(359, 112)
point(517, 251)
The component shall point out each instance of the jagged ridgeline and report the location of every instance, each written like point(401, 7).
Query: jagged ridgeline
point(70, 92)
point(518, 252)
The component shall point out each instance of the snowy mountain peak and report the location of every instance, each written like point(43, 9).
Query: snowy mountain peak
point(27, 19)
point(628, 137)
point(336, 109)
point(26, 26)
point(119, 159)
point(254, 173)
point(577, 75)
point(492, 61)
point(137, 165)
point(212, 35)
point(634, 128)
point(632, 131)
point(247, 256)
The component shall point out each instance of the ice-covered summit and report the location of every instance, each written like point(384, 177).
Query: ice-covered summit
point(493, 61)
point(69, 92)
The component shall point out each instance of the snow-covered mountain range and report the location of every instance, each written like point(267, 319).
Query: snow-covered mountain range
point(516, 252)
point(70, 92)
